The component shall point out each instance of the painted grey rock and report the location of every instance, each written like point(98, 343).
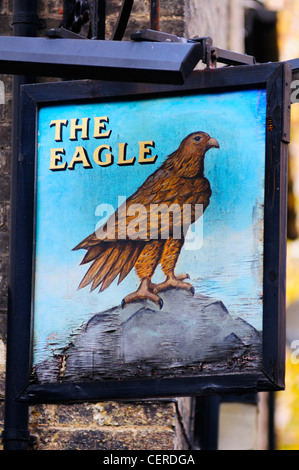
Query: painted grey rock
point(189, 336)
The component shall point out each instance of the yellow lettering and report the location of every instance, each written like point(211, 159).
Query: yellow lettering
point(56, 156)
point(99, 125)
point(80, 156)
point(98, 153)
point(122, 155)
point(144, 150)
point(58, 123)
point(75, 127)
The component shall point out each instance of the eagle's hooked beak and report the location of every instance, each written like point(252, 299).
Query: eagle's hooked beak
point(212, 143)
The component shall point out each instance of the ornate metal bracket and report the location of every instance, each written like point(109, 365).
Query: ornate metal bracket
point(93, 13)
point(90, 15)
point(210, 54)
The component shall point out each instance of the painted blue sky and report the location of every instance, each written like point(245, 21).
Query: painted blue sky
point(227, 265)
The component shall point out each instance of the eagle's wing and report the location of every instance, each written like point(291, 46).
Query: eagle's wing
point(155, 190)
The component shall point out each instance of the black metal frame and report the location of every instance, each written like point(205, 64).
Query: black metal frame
point(276, 79)
point(162, 62)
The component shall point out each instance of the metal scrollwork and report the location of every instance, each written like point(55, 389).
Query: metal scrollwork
point(79, 20)
point(87, 18)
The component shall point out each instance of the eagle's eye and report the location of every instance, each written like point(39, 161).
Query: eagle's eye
point(197, 138)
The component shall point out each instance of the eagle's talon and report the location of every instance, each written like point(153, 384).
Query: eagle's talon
point(173, 281)
point(123, 303)
point(143, 293)
point(182, 277)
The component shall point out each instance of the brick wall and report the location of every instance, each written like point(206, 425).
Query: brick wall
point(160, 424)
point(107, 426)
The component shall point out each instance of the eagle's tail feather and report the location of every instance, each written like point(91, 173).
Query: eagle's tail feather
point(107, 266)
point(127, 259)
point(94, 252)
point(89, 241)
point(95, 267)
point(114, 258)
point(122, 254)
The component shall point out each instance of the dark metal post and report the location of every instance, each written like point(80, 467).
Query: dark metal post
point(16, 434)
point(155, 15)
point(271, 422)
point(99, 19)
point(68, 8)
point(206, 422)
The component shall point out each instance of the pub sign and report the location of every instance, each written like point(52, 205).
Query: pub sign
point(158, 242)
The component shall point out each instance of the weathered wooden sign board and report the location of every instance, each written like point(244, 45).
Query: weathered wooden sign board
point(158, 235)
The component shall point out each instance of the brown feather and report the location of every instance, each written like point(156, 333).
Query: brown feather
point(91, 240)
point(107, 267)
point(95, 267)
point(114, 272)
point(122, 258)
point(94, 252)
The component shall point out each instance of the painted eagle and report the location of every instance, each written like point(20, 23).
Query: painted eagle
point(113, 251)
